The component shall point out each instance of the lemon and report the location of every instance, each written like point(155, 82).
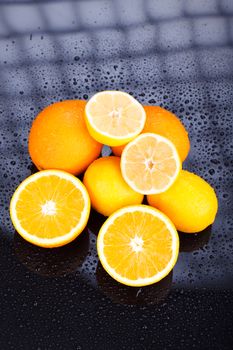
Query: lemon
point(107, 188)
point(190, 203)
point(150, 163)
point(114, 117)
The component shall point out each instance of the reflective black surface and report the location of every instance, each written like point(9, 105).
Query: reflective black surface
point(174, 53)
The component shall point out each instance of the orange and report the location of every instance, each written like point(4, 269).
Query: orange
point(59, 138)
point(190, 203)
point(107, 188)
point(50, 208)
point(138, 245)
point(114, 117)
point(164, 123)
point(150, 164)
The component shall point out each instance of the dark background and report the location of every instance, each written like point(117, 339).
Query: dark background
point(174, 53)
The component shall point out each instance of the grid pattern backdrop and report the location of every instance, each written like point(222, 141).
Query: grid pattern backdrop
point(183, 39)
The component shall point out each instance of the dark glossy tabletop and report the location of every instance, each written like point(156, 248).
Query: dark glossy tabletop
point(174, 53)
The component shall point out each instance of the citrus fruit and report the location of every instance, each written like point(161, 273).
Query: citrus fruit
point(50, 208)
point(150, 163)
point(164, 123)
point(190, 203)
point(138, 245)
point(107, 188)
point(114, 117)
point(59, 138)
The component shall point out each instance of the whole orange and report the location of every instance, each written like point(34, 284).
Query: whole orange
point(165, 123)
point(107, 189)
point(190, 203)
point(59, 138)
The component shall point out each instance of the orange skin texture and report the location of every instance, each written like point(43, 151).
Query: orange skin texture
point(191, 203)
point(107, 188)
point(59, 138)
point(164, 123)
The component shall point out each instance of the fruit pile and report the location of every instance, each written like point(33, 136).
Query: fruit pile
point(138, 244)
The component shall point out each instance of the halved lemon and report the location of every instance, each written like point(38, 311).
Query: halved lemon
point(114, 117)
point(138, 245)
point(150, 164)
point(50, 208)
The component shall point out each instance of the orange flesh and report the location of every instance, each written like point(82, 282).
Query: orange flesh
point(156, 248)
point(68, 201)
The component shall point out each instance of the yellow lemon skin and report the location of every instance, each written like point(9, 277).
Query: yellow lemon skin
point(107, 140)
point(107, 188)
point(191, 203)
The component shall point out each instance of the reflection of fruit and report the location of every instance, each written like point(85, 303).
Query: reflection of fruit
point(190, 243)
point(138, 245)
point(114, 117)
point(164, 123)
point(190, 203)
point(150, 163)
point(59, 138)
point(95, 222)
point(107, 188)
point(52, 262)
point(119, 293)
point(50, 208)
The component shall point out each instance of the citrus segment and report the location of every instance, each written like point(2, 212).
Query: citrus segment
point(50, 208)
point(150, 164)
point(114, 117)
point(138, 245)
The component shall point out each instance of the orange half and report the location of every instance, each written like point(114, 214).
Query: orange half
point(50, 208)
point(138, 245)
point(150, 164)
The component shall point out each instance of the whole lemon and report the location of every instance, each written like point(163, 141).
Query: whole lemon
point(165, 123)
point(107, 188)
point(190, 203)
point(59, 138)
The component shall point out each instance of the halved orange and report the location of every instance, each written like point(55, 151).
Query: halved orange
point(150, 164)
point(138, 245)
point(114, 117)
point(50, 208)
